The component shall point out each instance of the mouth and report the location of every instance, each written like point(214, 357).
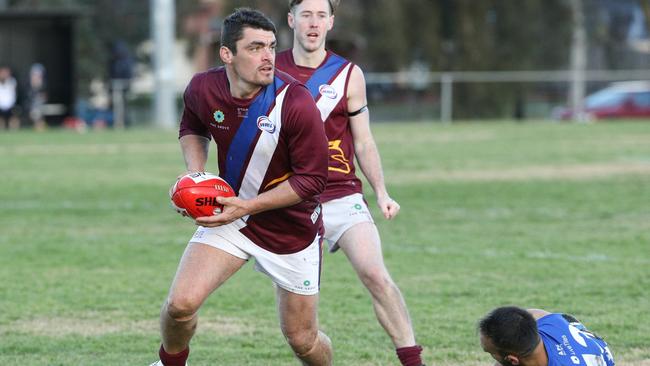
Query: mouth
point(312, 36)
point(266, 68)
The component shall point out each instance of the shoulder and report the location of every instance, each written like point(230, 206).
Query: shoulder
point(538, 313)
point(211, 75)
point(334, 57)
point(356, 89)
point(356, 76)
point(299, 106)
point(298, 96)
point(199, 80)
point(285, 77)
point(295, 89)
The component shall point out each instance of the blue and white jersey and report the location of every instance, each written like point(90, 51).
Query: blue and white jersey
point(570, 343)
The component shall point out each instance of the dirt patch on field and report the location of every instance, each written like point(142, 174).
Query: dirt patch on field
point(541, 172)
point(89, 326)
point(60, 326)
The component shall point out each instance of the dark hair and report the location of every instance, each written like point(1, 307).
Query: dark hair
point(233, 26)
point(333, 4)
point(511, 330)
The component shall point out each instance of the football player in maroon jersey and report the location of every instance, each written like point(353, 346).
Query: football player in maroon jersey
point(272, 149)
point(339, 89)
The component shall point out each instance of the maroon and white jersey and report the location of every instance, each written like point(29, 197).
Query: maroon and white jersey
point(275, 136)
point(328, 85)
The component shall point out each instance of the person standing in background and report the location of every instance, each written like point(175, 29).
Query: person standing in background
point(37, 96)
point(8, 98)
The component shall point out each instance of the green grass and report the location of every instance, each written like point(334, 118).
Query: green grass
point(554, 216)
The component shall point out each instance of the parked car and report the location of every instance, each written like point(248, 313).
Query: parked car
point(629, 99)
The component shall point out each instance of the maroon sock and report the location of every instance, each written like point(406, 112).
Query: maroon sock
point(410, 356)
point(176, 359)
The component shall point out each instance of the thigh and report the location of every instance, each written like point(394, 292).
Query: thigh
point(298, 313)
point(362, 246)
point(202, 269)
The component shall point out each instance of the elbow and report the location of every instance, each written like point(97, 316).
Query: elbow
point(307, 186)
point(320, 184)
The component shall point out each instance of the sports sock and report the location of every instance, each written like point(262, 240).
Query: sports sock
point(176, 359)
point(410, 356)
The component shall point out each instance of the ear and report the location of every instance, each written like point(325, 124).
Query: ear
point(514, 360)
point(290, 20)
point(330, 24)
point(225, 54)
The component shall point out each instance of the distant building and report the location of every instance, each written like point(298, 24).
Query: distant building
point(47, 38)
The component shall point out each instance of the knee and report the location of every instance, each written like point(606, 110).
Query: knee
point(181, 308)
point(301, 341)
point(377, 280)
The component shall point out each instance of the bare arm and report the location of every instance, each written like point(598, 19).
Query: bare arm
point(282, 195)
point(195, 152)
point(365, 147)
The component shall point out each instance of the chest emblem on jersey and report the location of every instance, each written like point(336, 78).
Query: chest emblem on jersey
point(265, 124)
point(242, 112)
point(218, 116)
point(327, 91)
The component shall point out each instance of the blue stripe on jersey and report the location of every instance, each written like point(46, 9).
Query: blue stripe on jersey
point(240, 145)
point(324, 74)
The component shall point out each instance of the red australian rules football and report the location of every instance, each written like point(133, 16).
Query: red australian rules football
point(196, 194)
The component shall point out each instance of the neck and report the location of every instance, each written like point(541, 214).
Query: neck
point(308, 59)
point(537, 358)
point(240, 88)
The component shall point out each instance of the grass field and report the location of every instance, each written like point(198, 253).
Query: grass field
point(555, 216)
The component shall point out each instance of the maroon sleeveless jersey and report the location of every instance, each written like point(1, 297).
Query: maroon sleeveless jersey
point(275, 136)
point(328, 85)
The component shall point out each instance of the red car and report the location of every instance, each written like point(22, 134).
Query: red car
point(629, 99)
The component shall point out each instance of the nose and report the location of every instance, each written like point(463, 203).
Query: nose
point(267, 54)
point(313, 22)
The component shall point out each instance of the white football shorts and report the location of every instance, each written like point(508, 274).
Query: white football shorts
point(341, 214)
point(296, 272)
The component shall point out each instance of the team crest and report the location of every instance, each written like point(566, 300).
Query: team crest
point(265, 124)
point(327, 91)
point(218, 116)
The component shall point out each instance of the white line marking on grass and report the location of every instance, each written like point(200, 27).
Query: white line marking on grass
point(540, 172)
point(497, 253)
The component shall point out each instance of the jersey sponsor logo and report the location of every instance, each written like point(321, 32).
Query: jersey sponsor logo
point(265, 124)
point(242, 112)
point(218, 116)
point(327, 91)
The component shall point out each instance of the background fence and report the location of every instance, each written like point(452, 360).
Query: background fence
point(422, 95)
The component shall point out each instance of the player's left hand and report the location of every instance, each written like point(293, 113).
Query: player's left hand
point(388, 206)
point(233, 209)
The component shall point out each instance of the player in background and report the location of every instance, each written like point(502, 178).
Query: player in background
point(272, 149)
point(533, 337)
point(339, 88)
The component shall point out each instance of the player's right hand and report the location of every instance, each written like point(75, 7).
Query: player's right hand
point(233, 209)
